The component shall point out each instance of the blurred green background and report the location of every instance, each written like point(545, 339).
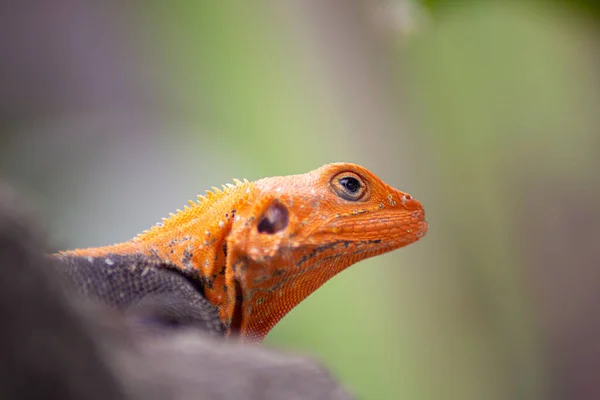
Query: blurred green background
point(113, 114)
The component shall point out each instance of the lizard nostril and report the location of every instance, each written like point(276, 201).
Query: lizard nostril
point(410, 202)
point(406, 198)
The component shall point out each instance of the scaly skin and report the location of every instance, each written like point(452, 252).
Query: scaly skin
point(260, 248)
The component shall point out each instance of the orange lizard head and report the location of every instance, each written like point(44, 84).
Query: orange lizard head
point(295, 232)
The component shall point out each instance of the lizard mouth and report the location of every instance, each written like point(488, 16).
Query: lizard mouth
point(424, 229)
point(391, 228)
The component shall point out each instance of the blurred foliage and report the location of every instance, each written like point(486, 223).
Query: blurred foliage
point(586, 6)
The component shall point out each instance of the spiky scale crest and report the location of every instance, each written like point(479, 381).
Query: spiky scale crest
point(182, 217)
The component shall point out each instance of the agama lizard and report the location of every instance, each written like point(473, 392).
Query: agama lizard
point(251, 252)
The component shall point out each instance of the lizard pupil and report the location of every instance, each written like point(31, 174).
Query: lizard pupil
point(350, 184)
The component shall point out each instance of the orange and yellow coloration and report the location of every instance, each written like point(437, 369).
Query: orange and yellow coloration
point(260, 248)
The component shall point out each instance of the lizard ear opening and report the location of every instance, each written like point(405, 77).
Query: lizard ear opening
point(274, 219)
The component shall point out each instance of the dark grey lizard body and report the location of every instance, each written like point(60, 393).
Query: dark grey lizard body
point(149, 292)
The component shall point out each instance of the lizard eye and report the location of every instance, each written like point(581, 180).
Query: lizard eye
point(349, 186)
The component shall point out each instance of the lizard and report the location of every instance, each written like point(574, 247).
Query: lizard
point(252, 251)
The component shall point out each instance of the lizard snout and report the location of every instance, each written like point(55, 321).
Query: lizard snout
point(417, 215)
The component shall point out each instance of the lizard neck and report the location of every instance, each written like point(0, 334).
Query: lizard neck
point(269, 290)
